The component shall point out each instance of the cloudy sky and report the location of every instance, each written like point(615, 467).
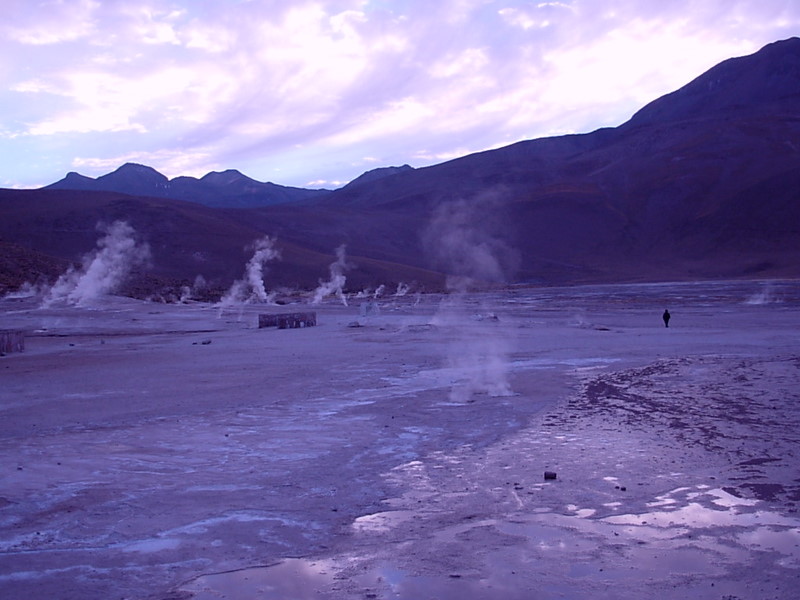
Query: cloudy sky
point(313, 93)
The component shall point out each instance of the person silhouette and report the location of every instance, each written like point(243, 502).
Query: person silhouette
point(666, 317)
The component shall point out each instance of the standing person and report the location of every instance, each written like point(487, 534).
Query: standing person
point(666, 317)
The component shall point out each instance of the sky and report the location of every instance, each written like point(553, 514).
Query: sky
point(311, 93)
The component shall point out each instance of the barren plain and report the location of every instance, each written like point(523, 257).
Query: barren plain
point(397, 450)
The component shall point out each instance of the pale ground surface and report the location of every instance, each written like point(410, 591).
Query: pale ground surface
point(162, 452)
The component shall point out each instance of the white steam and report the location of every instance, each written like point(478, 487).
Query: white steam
point(250, 288)
point(27, 290)
point(478, 352)
point(190, 293)
point(335, 285)
point(766, 295)
point(402, 289)
point(103, 270)
point(466, 240)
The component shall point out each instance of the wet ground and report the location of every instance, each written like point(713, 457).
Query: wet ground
point(162, 452)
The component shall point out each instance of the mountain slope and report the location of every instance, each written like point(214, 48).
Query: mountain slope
point(767, 78)
point(185, 239)
point(701, 183)
point(658, 197)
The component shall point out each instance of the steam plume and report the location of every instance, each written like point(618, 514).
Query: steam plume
point(402, 289)
point(189, 293)
point(251, 288)
point(466, 240)
point(335, 285)
point(766, 295)
point(27, 290)
point(481, 357)
point(103, 269)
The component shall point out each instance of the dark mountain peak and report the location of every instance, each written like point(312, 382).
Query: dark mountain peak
point(133, 171)
point(75, 176)
point(73, 181)
point(771, 75)
point(379, 173)
point(227, 177)
point(134, 179)
point(136, 168)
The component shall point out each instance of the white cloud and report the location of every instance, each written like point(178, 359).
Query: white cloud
point(465, 62)
point(637, 63)
point(325, 183)
point(523, 18)
point(210, 37)
point(311, 87)
point(48, 22)
point(149, 22)
point(34, 86)
point(430, 157)
point(106, 102)
point(397, 117)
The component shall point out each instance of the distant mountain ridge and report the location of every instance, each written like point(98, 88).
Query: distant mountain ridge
point(702, 183)
point(226, 189)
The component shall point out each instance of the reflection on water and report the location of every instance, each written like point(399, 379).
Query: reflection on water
point(785, 541)
point(382, 521)
point(690, 532)
point(297, 579)
point(292, 579)
point(721, 510)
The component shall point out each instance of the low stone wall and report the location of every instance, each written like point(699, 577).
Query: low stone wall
point(11, 340)
point(288, 320)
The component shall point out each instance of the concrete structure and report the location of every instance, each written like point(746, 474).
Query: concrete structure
point(11, 340)
point(288, 320)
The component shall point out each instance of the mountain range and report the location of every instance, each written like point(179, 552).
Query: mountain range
point(703, 183)
point(229, 189)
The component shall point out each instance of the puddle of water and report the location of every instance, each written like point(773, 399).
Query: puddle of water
point(390, 582)
point(298, 579)
point(723, 498)
point(567, 548)
point(725, 513)
point(767, 538)
point(294, 579)
point(382, 521)
point(547, 363)
point(154, 545)
point(576, 544)
point(545, 537)
point(569, 542)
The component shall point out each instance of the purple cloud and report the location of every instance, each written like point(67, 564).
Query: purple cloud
point(321, 91)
